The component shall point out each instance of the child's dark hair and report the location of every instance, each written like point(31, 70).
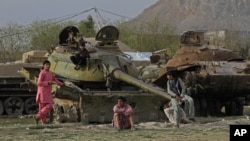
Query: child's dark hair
point(172, 72)
point(82, 43)
point(46, 62)
point(122, 98)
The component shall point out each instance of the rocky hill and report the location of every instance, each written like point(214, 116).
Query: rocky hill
point(199, 14)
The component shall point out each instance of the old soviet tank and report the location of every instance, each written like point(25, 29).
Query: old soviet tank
point(217, 78)
point(17, 95)
point(91, 91)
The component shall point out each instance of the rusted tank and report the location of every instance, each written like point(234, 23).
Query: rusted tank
point(92, 91)
point(17, 95)
point(217, 78)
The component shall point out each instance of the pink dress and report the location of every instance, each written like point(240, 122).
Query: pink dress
point(123, 114)
point(44, 94)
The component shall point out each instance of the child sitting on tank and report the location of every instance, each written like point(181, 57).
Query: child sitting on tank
point(80, 58)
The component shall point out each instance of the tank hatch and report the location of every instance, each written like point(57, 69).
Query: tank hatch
point(107, 37)
point(194, 38)
point(107, 34)
point(69, 35)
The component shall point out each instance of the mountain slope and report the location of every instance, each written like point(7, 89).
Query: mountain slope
point(199, 14)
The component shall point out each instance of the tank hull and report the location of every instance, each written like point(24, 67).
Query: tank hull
point(17, 95)
point(97, 107)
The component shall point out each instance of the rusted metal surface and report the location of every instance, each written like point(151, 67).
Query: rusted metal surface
point(217, 78)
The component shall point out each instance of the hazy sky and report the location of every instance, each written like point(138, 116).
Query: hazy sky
point(26, 11)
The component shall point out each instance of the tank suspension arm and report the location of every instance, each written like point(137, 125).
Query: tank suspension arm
point(73, 86)
point(118, 74)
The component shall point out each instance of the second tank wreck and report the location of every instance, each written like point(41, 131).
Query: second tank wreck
point(217, 78)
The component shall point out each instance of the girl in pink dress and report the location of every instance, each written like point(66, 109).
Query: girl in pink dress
point(44, 96)
point(123, 115)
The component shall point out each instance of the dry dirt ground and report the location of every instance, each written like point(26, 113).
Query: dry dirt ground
point(204, 129)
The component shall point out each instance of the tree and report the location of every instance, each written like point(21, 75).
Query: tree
point(44, 34)
point(87, 27)
point(16, 39)
point(150, 36)
point(13, 40)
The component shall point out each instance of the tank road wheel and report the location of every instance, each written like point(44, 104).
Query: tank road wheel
point(231, 108)
point(234, 108)
point(214, 108)
point(240, 106)
point(240, 109)
point(204, 107)
point(227, 108)
point(14, 106)
point(1, 107)
point(197, 107)
point(30, 106)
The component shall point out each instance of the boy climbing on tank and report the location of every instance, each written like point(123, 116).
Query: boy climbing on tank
point(80, 58)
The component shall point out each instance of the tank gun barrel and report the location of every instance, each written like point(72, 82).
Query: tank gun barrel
point(118, 74)
point(160, 51)
point(73, 86)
